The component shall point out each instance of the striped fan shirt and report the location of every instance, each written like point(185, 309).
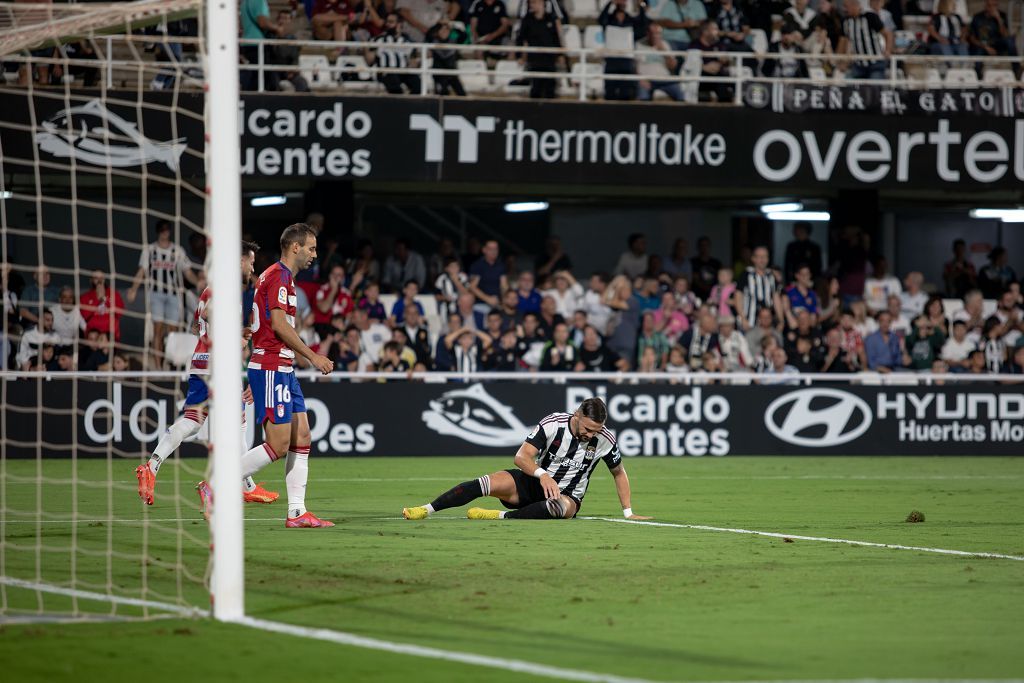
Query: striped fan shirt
point(569, 461)
point(864, 33)
point(164, 267)
point(758, 292)
point(391, 57)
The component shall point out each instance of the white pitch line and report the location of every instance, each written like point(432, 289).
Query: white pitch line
point(821, 539)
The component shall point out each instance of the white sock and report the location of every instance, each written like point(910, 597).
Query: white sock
point(185, 426)
point(248, 483)
point(295, 477)
point(430, 508)
point(257, 458)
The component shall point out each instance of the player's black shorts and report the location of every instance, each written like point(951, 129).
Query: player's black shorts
point(530, 491)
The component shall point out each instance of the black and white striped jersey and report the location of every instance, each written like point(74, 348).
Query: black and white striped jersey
point(569, 461)
point(164, 268)
point(759, 291)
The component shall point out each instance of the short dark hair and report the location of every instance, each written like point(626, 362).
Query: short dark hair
point(594, 409)
point(249, 246)
point(296, 233)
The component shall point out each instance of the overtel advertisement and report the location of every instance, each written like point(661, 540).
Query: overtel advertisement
point(428, 419)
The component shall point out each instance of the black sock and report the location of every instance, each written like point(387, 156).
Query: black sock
point(462, 494)
point(545, 509)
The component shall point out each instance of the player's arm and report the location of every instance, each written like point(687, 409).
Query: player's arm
point(526, 460)
point(287, 334)
point(622, 488)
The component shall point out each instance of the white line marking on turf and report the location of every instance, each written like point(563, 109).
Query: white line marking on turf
point(822, 539)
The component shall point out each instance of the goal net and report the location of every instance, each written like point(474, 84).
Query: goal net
point(102, 150)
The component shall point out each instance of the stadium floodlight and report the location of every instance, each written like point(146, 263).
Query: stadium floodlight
point(523, 207)
point(269, 200)
point(1005, 215)
point(799, 216)
point(781, 207)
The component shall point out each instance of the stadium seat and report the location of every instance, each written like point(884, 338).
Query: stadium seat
point(506, 71)
point(594, 73)
point(999, 77)
point(758, 40)
point(585, 9)
point(360, 76)
point(571, 37)
point(316, 70)
point(474, 75)
point(961, 77)
point(178, 348)
point(593, 37)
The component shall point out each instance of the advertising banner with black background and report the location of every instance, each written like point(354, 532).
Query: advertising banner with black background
point(429, 419)
point(508, 142)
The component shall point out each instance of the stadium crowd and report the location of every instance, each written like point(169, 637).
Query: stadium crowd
point(673, 313)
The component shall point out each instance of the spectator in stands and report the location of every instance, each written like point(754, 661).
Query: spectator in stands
point(333, 300)
point(829, 21)
point(487, 277)
point(450, 285)
point(765, 327)
point(912, 299)
point(936, 313)
point(705, 269)
point(33, 341)
point(836, 358)
point(990, 33)
point(616, 14)
point(709, 40)
point(68, 322)
point(331, 19)
point(733, 25)
point(947, 32)
point(445, 33)
point(888, 22)
point(884, 349)
point(995, 278)
point(864, 34)
point(567, 294)
point(489, 25)
point(733, 346)
point(419, 15)
point(468, 347)
point(657, 67)
point(386, 56)
point(924, 344)
point(760, 289)
point(403, 265)
point(594, 303)
point(633, 262)
point(800, 295)
point(540, 28)
point(680, 18)
point(780, 367)
point(257, 25)
point(880, 286)
point(701, 339)
point(785, 65)
point(102, 307)
point(559, 354)
point(959, 273)
point(900, 323)
point(799, 17)
point(37, 296)
point(404, 303)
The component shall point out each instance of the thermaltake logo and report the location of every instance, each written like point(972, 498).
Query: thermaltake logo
point(818, 417)
point(468, 132)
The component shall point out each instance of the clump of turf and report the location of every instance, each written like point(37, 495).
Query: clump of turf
point(915, 516)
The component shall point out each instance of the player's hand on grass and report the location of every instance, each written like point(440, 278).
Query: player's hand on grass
point(551, 490)
point(324, 364)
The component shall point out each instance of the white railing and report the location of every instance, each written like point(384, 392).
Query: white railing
point(905, 378)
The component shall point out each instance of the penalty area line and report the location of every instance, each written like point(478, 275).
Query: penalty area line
point(819, 539)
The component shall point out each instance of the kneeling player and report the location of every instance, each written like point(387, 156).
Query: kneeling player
point(569, 447)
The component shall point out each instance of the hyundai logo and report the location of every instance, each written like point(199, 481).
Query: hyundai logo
point(817, 417)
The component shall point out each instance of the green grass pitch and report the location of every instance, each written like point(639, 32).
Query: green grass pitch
point(662, 604)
